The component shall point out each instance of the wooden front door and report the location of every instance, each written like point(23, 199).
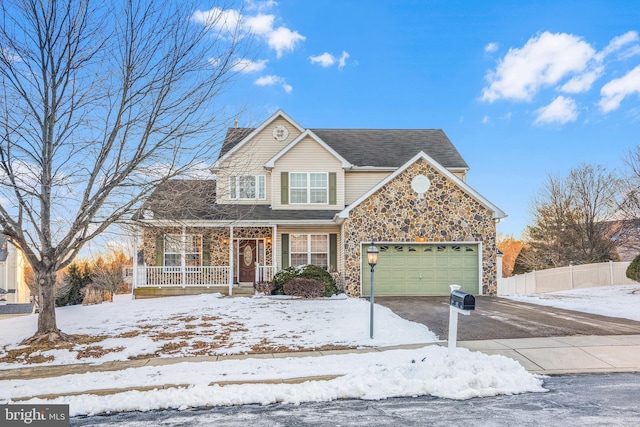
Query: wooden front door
point(247, 261)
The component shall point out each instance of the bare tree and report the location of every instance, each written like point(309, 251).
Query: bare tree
point(100, 103)
point(572, 219)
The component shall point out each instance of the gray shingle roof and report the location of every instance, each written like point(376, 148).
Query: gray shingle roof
point(377, 147)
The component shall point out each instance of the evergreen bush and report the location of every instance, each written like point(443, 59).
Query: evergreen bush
point(75, 279)
point(633, 271)
point(305, 272)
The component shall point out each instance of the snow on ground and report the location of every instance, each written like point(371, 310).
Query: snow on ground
point(613, 301)
point(212, 325)
point(248, 325)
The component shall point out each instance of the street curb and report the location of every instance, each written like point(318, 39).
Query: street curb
point(111, 391)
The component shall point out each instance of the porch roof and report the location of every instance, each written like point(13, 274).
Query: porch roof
point(186, 200)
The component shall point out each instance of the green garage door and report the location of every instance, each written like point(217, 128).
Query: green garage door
point(427, 269)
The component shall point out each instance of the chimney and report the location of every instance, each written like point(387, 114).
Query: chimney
point(236, 121)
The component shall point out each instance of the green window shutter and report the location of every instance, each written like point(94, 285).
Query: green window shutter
point(206, 251)
point(160, 250)
point(333, 252)
point(284, 188)
point(332, 188)
point(285, 251)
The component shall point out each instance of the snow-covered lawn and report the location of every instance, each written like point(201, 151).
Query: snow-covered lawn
point(614, 301)
point(211, 324)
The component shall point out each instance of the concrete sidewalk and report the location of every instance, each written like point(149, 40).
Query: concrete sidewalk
point(567, 355)
point(545, 356)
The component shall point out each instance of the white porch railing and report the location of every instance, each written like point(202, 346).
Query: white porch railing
point(193, 276)
point(183, 276)
point(264, 273)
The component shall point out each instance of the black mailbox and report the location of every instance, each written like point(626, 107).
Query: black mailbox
point(462, 300)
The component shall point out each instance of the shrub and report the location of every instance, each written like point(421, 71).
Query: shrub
point(305, 272)
point(282, 277)
point(321, 275)
point(76, 279)
point(305, 288)
point(633, 271)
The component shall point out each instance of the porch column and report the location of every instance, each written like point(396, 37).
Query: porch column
point(184, 256)
point(134, 280)
point(274, 248)
point(231, 260)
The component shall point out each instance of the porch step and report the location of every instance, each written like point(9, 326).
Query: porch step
point(157, 292)
point(243, 291)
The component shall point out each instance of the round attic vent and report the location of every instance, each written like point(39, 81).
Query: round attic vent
point(420, 184)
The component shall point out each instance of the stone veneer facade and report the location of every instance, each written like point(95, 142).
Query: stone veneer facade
point(395, 214)
point(217, 237)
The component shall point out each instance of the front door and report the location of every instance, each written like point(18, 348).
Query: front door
point(247, 260)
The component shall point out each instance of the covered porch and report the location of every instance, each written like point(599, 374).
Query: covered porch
point(212, 259)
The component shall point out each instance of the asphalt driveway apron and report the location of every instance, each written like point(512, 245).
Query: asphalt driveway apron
point(500, 318)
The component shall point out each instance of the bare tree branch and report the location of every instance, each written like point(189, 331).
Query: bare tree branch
point(100, 103)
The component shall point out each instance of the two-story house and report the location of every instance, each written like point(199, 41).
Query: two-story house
point(284, 195)
point(13, 287)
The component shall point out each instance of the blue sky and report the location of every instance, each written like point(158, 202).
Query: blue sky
point(523, 89)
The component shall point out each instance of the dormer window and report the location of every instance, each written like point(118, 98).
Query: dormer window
point(247, 187)
point(309, 188)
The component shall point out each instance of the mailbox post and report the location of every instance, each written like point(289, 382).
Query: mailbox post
point(459, 303)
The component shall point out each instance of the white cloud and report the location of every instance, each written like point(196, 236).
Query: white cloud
point(543, 61)
point(617, 43)
point(272, 80)
point(632, 51)
point(485, 120)
point(280, 39)
point(343, 59)
point(561, 110)
point(583, 82)
point(247, 66)
point(260, 24)
point(283, 39)
point(218, 19)
point(491, 47)
point(617, 89)
point(325, 60)
point(260, 5)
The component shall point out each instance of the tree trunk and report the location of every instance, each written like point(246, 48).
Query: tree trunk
point(47, 329)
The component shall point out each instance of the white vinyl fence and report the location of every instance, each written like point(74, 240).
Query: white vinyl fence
point(565, 278)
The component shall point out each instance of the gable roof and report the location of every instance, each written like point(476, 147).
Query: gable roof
point(307, 133)
point(374, 148)
point(497, 212)
point(236, 139)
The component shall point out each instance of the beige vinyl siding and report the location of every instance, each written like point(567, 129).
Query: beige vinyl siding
point(250, 160)
point(308, 156)
point(358, 183)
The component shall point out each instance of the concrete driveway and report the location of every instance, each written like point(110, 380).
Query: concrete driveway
point(500, 318)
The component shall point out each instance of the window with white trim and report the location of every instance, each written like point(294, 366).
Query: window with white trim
point(247, 187)
point(309, 188)
point(175, 247)
point(309, 249)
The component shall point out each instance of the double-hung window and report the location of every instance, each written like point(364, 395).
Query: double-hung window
point(310, 249)
point(176, 246)
point(308, 188)
point(247, 187)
